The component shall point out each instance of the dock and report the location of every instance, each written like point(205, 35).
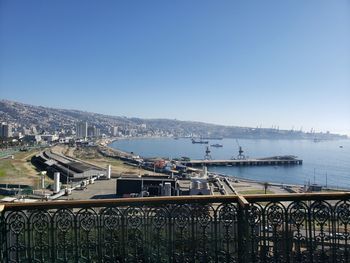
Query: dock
point(245, 162)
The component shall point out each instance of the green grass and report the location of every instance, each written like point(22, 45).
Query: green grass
point(250, 192)
point(13, 170)
point(6, 168)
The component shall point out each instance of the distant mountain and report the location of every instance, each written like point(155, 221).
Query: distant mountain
point(50, 119)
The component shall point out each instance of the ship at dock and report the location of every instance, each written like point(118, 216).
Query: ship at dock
point(199, 141)
point(217, 145)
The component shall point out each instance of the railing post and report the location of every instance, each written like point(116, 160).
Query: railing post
point(310, 223)
point(2, 233)
point(124, 232)
point(243, 229)
point(52, 240)
point(216, 235)
point(76, 246)
point(170, 236)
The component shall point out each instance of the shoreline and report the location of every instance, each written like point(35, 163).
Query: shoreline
point(247, 180)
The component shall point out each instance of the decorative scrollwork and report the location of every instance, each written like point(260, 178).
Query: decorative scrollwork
point(254, 215)
point(342, 211)
point(111, 218)
point(40, 221)
point(202, 215)
point(159, 217)
point(182, 216)
point(321, 212)
point(64, 219)
point(297, 212)
point(275, 214)
point(227, 214)
point(87, 219)
point(279, 231)
point(16, 222)
point(134, 217)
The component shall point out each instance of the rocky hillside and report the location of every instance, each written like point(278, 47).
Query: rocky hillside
point(51, 119)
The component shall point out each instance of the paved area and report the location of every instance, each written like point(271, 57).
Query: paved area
point(104, 189)
point(242, 186)
point(101, 189)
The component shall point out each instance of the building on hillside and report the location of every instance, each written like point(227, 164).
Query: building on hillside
point(93, 131)
point(6, 130)
point(82, 129)
point(115, 131)
point(32, 138)
point(49, 137)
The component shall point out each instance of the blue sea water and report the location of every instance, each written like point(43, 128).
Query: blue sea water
point(324, 162)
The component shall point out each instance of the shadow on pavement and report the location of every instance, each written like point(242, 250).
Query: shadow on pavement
point(108, 196)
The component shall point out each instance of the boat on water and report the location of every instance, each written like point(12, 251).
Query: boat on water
point(216, 145)
point(200, 141)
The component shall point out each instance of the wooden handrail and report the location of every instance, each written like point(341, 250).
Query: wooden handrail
point(298, 196)
point(242, 199)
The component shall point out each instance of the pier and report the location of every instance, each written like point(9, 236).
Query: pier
point(245, 162)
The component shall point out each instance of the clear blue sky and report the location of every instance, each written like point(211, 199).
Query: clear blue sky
point(247, 63)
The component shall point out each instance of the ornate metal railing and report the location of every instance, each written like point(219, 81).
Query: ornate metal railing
point(255, 228)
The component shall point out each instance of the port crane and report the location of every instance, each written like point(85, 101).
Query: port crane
point(207, 155)
point(240, 155)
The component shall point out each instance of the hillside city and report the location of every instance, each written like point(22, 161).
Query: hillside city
point(35, 124)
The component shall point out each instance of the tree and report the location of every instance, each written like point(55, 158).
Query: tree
point(266, 185)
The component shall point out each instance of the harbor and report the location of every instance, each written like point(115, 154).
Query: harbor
point(323, 163)
point(74, 178)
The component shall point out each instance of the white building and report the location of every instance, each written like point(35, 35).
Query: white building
point(200, 186)
point(115, 131)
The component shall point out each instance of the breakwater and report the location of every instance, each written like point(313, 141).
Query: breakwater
point(244, 162)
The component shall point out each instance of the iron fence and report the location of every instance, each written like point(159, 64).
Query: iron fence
point(251, 228)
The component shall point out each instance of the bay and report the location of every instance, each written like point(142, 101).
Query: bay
point(324, 162)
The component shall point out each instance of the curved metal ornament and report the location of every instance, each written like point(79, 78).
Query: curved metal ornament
point(204, 233)
point(39, 224)
point(227, 220)
point(159, 235)
point(134, 234)
point(112, 234)
point(297, 218)
point(16, 238)
point(342, 213)
point(64, 235)
point(87, 235)
point(181, 216)
point(321, 218)
point(288, 231)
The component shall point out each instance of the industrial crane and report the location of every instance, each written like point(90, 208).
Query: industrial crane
point(207, 154)
point(240, 155)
